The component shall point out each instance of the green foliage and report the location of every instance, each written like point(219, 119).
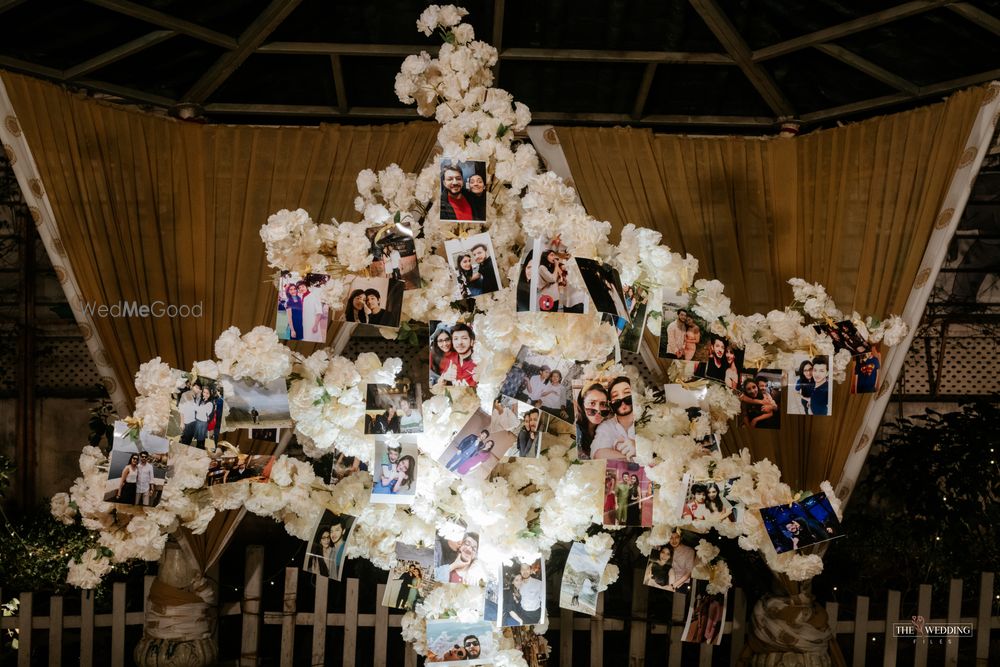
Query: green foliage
point(101, 425)
point(927, 509)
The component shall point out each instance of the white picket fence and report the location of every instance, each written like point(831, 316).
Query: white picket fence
point(640, 628)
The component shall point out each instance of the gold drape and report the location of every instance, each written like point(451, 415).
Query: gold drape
point(851, 208)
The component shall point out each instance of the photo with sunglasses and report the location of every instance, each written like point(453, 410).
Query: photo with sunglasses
point(452, 642)
point(605, 418)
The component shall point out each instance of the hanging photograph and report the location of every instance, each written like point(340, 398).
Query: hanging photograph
point(628, 495)
point(196, 412)
point(706, 615)
point(809, 390)
point(394, 253)
point(760, 398)
point(411, 578)
point(581, 575)
point(344, 466)
point(604, 287)
point(522, 601)
point(542, 381)
point(326, 553)
point(866, 371)
point(681, 333)
point(301, 314)
point(630, 332)
point(723, 362)
point(137, 467)
point(475, 450)
point(802, 524)
point(473, 264)
point(548, 281)
point(670, 565)
point(451, 642)
point(250, 404)
point(394, 408)
point(375, 301)
point(394, 479)
point(266, 434)
point(463, 191)
point(533, 647)
point(705, 500)
point(456, 559)
point(845, 336)
point(228, 469)
point(451, 347)
point(524, 421)
point(605, 411)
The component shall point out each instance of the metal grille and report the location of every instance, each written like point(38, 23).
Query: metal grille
point(971, 366)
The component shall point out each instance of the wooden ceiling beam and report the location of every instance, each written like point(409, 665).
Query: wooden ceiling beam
point(118, 53)
point(869, 68)
point(848, 28)
point(643, 94)
point(498, 12)
point(252, 37)
point(338, 49)
point(338, 83)
point(9, 4)
point(977, 16)
point(167, 21)
point(737, 48)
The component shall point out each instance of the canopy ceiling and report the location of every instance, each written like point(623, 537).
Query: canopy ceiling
point(713, 65)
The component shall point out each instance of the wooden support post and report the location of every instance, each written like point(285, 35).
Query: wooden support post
point(923, 609)
point(860, 632)
point(984, 620)
point(637, 640)
point(597, 634)
point(351, 623)
point(86, 628)
point(319, 621)
point(674, 645)
point(55, 630)
point(565, 638)
point(381, 627)
point(739, 630)
point(288, 611)
point(24, 631)
point(891, 616)
point(253, 586)
point(954, 613)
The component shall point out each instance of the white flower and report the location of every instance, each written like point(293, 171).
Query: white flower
point(706, 551)
point(62, 509)
point(89, 570)
point(711, 304)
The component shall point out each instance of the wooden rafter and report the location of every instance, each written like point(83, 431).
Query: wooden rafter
point(643, 93)
point(977, 16)
point(338, 83)
point(498, 11)
point(337, 49)
point(737, 48)
point(9, 4)
point(869, 68)
point(119, 52)
point(167, 21)
point(248, 42)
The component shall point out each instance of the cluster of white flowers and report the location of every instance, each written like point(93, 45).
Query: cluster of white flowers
point(295, 243)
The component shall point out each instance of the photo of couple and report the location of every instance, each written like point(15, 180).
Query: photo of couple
point(411, 578)
point(394, 253)
point(451, 348)
point(250, 404)
point(524, 421)
point(548, 281)
point(845, 336)
point(802, 524)
point(523, 597)
point(456, 560)
point(325, 555)
point(472, 263)
point(637, 304)
point(628, 495)
point(724, 363)
point(463, 191)
point(301, 314)
point(394, 479)
point(197, 411)
point(670, 565)
point(760, 398)
point(605, 418)
point(394, 408)
point(581, 575)
point(475, 450)
point(681, 333)
point(707, 499)
point(812, 393)
point(452, 642)
point(706, 615)
point(239, 468)
point(542, 381)
point(374, 301)
point(137, 467)
point(605, 287)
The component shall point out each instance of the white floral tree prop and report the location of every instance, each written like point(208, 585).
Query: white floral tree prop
point(529, 504)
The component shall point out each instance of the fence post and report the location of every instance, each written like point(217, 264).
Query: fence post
point(674, 645)
point(118, 624)
point(254, 578)
point(860, 632)
point(319, 621)
point(637, 640)
point(55, 630)
point(24, 631)
point(739, 630)
point(954, 613)
point(351, 622)
point(381, 627)
point(985, 618)
point(288, 618)
point(891, 616)
point(597, 634)
point(923, 609)
point(86, 628)
point(565, 638)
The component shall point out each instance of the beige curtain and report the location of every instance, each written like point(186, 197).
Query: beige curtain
point(851, 207)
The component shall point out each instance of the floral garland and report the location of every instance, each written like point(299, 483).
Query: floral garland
point(529, 504)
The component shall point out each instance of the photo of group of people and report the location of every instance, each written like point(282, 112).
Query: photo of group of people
point(463, 191)
point(670, 565)
point(524, 421)
point(395, 408)
point(473, 264)
point(411, 578)
point(547, 281)
point(845, 336)
point(239, 468)
point(456, 559)
point(760, 398)
point(522, 601)
point(196, 412)
point(451, 348)
point(706, 615)
point(542, 381)
point(253, 405)
point(812, 393)
point(605, 414)
point(301, 314)
point(708, 499)
point(394, 479)
point(865, 376)
point(628, 495)
point(325, 554)
point(802, 524)
point(581, 575)
point(137, 467)
point(394, 253)
point(452, 642)
point(376, 301)
point(475, 450)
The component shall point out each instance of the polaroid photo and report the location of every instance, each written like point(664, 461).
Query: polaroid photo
point(394, 479)
point(736, 505)
point(630, 332)
point(473, 264)
point(812, 391)
point(344, 466)
point(542, 381)
point(662, 571)
point(456, 558)
point(866, 371)
point(706, 615)
point(681, 334)
point(451, 348)
point(801, 524)
point(463, 190)
point(374, 301)
point(266, 434)
point(522, 601)
point(705, 500)
point(534, 648)
point(394, 253)
point(581, 575)
point(301, 314)
point(394, 408)
point(845, 336)
point(452, 642)
point(524, 421)
point(411, 579)
point(326, 553)
point(628, 495)
point(548, 281)
point(604, 286)
point(475, 450)
point(723, 363)
point(491, 597)
point(687, 396)
point(760, 398)
point(196, 411)
point(605, 411)
point(250, 404)
point(239, 468)
point(137, 468)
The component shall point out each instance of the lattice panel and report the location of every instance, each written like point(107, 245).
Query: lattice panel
point(971, 366)
point(64, 364)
